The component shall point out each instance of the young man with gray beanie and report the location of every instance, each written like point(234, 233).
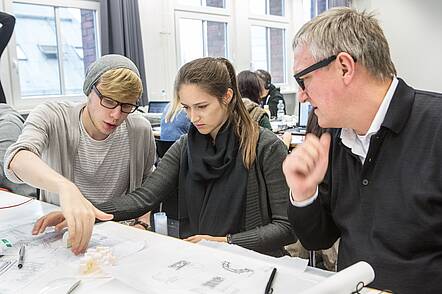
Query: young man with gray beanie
point(84, 154)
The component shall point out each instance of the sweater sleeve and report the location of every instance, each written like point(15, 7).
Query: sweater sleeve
point(34, 137)
point(313, 223)
point(273, 235)
point(159, 184)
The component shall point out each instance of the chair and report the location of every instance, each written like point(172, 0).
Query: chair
point(162, 147)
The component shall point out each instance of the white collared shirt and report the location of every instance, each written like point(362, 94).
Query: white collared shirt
point(359, 144)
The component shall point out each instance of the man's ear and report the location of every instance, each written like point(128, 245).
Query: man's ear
point(228, 97)
point(347, 66)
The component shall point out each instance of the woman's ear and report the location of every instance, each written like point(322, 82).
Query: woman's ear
point(228, 97)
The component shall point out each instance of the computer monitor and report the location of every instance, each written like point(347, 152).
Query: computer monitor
point(303, 111)
point(157, 106)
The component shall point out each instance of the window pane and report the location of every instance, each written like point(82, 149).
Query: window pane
point(77, 28)
point(322, 6)
point(216, 3)
point(277, 64)
point(191, 39)
point(276, 7)
point(216, 39)
point(259, 47)
point(258, 7)
point(36, 38)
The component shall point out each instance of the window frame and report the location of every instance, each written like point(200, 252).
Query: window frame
point(12, 77)
point(277, 22)
point(215, 14)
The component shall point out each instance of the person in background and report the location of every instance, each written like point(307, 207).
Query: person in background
point(375, 181)
point(88, 153)
point(7, 23)
point(173, 125)
point(270, 95)
point(226, 172)
point(249, 88)
point(11, 125)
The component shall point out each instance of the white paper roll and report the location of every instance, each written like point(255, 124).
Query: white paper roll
point(345, 281)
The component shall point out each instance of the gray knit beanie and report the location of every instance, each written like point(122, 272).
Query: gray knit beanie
point(102, 65)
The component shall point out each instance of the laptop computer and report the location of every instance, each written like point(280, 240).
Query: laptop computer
point(157, 106)
point(303, 111)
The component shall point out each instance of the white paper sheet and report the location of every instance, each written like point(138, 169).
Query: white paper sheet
point(47, 257)
point(345, 281)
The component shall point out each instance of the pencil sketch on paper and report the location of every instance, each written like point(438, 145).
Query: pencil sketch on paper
point(215, 281)
point(228, 267)
point(179, 264)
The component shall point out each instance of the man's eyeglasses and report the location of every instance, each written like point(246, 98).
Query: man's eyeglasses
point(317, 65)
point(111, 103)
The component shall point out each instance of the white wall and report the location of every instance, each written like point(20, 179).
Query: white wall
point(414, 31)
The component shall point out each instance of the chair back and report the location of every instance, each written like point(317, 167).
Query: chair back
point(162, 146)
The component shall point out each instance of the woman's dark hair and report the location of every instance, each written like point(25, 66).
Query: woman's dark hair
point(215, 76)
point(249, 85)
point(265, 77)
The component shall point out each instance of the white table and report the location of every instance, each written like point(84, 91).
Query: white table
point(147, 261)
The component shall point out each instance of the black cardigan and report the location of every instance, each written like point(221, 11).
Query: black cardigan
point(267, 228)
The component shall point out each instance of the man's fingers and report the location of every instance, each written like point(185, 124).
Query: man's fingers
point(325, 142)
point(37, 226)
point(61, 226)
point(87, 233)
point(43, 225)
point(72, 231)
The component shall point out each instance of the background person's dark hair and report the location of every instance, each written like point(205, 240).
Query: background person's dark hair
point(249, 85)
point(265, 77)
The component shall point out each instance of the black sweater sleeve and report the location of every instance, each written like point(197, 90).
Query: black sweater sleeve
point(158, 185)
point(313, 223)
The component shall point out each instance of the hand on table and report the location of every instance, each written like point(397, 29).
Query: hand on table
point(197, 238)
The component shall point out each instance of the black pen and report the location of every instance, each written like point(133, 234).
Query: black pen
point(269, 289)
point(21, 256)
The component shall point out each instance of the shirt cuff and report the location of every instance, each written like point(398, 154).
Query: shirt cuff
point(304, 203)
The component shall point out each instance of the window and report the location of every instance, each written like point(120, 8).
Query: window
point(201, 32)
point(53, 47)
point(268, 35)
point(319, 6)
point(268, 51)
point(207, 3)
point(267, 7)
point(200, 38)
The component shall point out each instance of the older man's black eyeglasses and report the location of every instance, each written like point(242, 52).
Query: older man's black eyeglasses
point(317, 65)
point(111, 103)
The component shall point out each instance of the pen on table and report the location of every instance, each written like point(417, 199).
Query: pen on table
point(21, 256)
point(73, 287)
point(269, 289)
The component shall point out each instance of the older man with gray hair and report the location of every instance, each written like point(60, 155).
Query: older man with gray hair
point(375, 181)
point(85, 154)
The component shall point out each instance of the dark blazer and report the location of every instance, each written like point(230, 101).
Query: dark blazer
point(388, 211)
